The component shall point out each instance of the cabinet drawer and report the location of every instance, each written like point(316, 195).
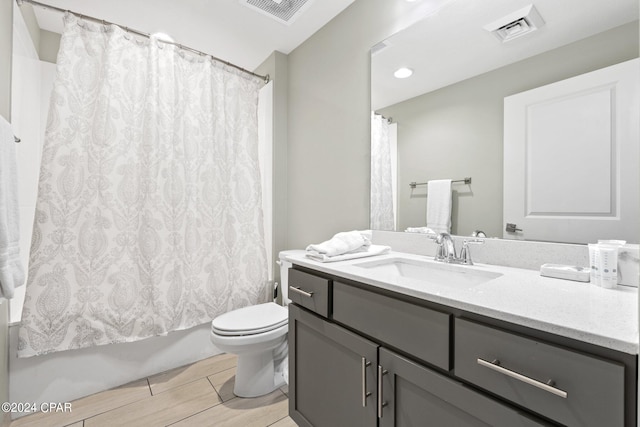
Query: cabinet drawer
point(310, 291)
point(418, 396)
point(416, 330)
point(572, 388)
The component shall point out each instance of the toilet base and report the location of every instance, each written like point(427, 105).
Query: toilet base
point(261, 373)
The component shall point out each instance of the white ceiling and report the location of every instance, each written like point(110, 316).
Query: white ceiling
point(451, 45)
point(223, 28)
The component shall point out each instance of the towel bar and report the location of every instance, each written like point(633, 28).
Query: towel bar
point(467, 180)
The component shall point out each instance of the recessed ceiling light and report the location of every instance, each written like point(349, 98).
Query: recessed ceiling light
point(403, 73)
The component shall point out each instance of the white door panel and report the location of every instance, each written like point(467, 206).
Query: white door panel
point(571, 158)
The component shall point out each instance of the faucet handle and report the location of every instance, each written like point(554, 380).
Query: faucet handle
point(440, 253)
point(465, 253)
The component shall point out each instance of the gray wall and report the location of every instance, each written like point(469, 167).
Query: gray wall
point(6, 40)
point(329, 131)
point(457, 131)
point(45, 42)
point(31, 21)
point(48, 46)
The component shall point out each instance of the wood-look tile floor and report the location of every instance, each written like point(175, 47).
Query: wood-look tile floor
point(200, 394)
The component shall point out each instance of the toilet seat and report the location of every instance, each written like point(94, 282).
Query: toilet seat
point(250, 320)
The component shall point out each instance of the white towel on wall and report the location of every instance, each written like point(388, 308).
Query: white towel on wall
point(11, 270)
point(439, 205)
point(341, 243)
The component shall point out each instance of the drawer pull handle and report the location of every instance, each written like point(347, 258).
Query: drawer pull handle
point(301, 292)
point(495, 365)
point(365, 393)
point(381, 403)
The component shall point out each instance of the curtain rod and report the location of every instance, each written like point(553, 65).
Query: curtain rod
point(143, 34)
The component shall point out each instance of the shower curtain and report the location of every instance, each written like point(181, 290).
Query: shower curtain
point(382, 215)
point(149, 215)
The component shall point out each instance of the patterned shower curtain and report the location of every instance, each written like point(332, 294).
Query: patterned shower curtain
point(382, 216)
point(149, 215)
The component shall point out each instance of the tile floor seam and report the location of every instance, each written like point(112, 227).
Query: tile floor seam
point(192, 415)
point(186, 383)
point(149, 385)
point(151, 397)
point(277, 421)
point(215, 389)
point(103, 412)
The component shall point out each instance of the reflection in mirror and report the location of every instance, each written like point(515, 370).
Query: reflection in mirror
point(449, 113)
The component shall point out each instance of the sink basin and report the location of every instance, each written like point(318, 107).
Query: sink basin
point(430, 271)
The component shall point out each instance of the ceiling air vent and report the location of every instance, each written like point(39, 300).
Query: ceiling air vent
point(516, 24)
point(283, 11)
point(379, 47)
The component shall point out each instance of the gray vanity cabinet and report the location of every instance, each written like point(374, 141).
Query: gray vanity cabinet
point(332, 378)
point(361, 356)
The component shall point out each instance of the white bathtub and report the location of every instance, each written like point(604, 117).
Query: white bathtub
point(64, 376)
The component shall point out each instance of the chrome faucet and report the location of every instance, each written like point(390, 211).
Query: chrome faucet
point(446, 248)
point(446, 251)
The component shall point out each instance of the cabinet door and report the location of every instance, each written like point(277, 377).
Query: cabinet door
point(412, 395)
point(332, 374)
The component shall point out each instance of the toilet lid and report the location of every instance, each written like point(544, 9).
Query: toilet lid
point(251, 320)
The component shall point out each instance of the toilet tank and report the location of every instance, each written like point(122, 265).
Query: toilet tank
point(284, 274)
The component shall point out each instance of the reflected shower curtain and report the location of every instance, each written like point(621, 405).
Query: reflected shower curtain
point(382, 216)
point(149, 215)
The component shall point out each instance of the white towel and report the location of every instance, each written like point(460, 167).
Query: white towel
point(370, 250)
point(439, 205)
point(423, 230)
point(11, 271)
point(341, 243)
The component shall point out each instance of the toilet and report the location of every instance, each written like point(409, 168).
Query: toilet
point(258, 336)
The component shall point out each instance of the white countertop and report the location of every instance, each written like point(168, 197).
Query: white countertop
point(578, 310)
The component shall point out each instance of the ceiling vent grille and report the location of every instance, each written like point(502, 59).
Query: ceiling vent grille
point(516, 24)
point(379, 47)
point(283, 11)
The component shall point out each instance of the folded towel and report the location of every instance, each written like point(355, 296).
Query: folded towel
point(370, 250)
point(11, 271)
point(424, 230)
point(439, 205)
point(341, 243)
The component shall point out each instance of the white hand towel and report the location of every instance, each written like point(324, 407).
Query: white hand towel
point(11, 271)
point(439, 205)
point(370, 250)
point(341, 243)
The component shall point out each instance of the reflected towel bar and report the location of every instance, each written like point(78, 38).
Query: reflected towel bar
point(467, 180)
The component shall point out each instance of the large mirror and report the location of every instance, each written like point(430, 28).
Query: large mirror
point(446, 120)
